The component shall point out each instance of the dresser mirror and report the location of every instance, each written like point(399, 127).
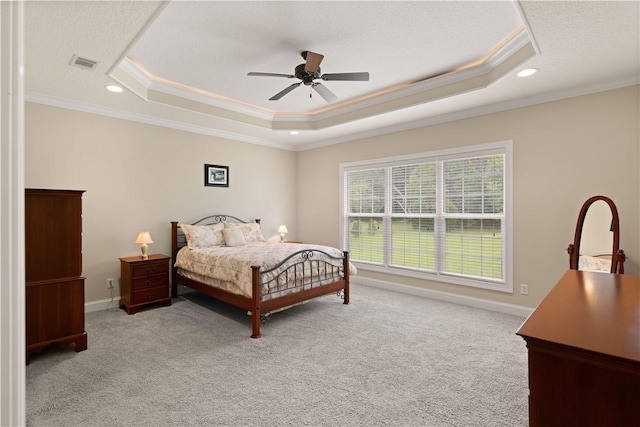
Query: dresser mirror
point(596, 244)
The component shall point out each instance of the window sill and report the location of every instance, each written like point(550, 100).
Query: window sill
point(443, 278)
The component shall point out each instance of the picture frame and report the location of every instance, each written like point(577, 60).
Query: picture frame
point(216, 176)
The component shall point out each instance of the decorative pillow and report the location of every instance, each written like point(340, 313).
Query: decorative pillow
point(203, 236)
point(251, 231)
point(233, 236)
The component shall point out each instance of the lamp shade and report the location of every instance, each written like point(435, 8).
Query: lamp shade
point(143, 237)
point(283, 229)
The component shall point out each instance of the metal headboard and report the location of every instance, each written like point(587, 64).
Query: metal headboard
point(211, 219)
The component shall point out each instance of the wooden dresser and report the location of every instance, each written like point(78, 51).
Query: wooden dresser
point(584, 352)
point(54, 292)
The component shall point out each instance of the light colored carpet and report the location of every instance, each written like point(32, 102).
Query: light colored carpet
point(386, 359)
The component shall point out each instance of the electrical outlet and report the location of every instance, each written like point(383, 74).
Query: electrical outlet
point(524, 289)
point(110, 283)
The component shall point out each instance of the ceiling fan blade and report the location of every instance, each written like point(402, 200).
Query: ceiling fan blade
point(324, 92)
point(284, 92)
point(358, 77)
point(290, 76)
point(313, 61)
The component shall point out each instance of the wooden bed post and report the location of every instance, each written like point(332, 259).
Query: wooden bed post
point(255, 301)
point(347, 273)
point(174, 253)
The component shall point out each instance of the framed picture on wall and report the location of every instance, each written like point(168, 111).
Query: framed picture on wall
point(216, 176)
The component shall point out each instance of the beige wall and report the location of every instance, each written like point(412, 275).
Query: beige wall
point(141, 177)
point(564, 152)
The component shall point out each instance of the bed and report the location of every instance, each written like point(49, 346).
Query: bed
point(228, 259)
point(597, 263)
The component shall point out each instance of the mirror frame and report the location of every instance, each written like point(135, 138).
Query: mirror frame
point(617, 255)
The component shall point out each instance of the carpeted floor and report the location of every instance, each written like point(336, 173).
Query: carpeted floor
point(386, 359)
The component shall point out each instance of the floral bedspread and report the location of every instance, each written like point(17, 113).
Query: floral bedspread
point(591, 263)
point(229, 268)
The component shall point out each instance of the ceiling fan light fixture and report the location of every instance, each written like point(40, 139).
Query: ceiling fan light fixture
point(310, 71)
point(527, 72)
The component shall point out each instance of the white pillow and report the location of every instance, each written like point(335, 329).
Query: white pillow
point(251, 231)
point(233, 236)
point(203, 236)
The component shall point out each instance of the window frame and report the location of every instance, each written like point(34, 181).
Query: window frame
point(503, 147)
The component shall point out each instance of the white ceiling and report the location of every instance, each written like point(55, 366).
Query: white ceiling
point(184, 64)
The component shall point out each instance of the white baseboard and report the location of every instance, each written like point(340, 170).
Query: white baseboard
point(102, 304)
point(516, 310)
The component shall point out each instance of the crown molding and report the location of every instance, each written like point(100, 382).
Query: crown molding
point(136, 73)
point(473, 77)
point(425, 122)
point(479, 111)
point(211, 99)
point(151, 120)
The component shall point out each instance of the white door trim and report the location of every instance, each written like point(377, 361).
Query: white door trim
point(12, 276)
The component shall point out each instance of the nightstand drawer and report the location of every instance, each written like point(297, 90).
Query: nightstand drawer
point(150, 294)
point(149, 268)
point(150, 282)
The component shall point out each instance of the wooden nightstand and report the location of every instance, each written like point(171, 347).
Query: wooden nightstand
point(144, 281)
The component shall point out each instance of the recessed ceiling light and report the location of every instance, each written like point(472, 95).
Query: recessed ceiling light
point(294, 132)
point(527, 72)
point(114, 88)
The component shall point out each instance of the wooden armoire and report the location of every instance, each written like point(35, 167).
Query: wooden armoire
point(53, 262)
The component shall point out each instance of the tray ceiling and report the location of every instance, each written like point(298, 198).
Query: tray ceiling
point(184, 64)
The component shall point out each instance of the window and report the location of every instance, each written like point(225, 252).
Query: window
point(443, 216)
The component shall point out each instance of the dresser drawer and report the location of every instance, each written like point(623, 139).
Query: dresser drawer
point(150, 281)
point(150, 294)
point(149, 268)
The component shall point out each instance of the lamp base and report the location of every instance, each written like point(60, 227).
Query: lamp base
point(143, 248)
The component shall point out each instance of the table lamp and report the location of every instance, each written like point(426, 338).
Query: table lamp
point(282, 230)
point(143, 238)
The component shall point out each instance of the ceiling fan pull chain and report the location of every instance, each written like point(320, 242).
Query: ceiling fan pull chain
point(310, 93)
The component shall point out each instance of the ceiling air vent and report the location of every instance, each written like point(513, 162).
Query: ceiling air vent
point(84, 63)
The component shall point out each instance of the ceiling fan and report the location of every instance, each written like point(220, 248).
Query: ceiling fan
point(310, 71)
